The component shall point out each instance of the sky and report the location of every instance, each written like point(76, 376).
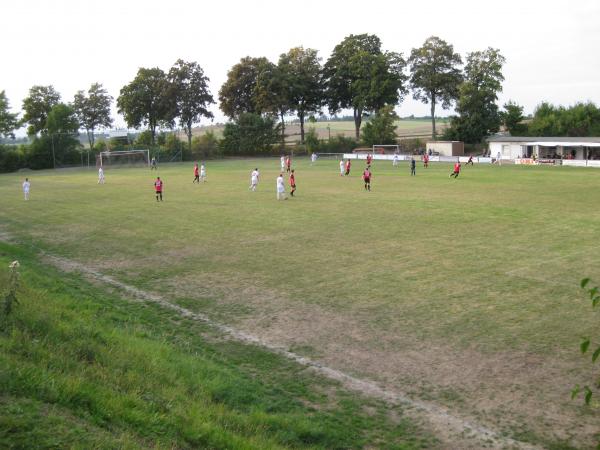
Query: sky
point(551, 47)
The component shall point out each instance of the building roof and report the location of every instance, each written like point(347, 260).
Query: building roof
point(546, 139)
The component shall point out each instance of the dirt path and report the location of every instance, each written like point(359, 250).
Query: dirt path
point(452, 430)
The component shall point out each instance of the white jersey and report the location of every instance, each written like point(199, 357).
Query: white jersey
point(100, 173)
point(313, 157)
point(202, 171)
point(280, 185)
point(26, 186)
point(342, 166)
point(282, 163)
point(254, 176)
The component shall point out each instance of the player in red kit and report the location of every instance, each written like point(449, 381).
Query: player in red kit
point(426, 160)
point(288, 163)
point(456, 170)
point(292, 183)
point(367, 178)
point(196, 174)
point(348, 165)
point(369, 159)
point(158, 188)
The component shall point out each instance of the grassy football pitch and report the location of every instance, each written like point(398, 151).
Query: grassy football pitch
point(463, 293)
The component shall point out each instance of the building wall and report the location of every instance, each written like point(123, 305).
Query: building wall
point(447, 148)
point(507, 150)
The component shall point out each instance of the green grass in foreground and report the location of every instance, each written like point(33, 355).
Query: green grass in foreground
point(82, 368)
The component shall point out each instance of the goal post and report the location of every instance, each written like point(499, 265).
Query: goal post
point(382, 148)
point(123, 158)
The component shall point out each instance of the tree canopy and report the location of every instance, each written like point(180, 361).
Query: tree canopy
point(37, 106)
point(191, 95)
point(435, 75)
point(8, 121)
point(239, 94)
point(581, 119)
point(478, 114)
point(147, 100)
point(512, 119)
point(93, 109)
point(359, 76)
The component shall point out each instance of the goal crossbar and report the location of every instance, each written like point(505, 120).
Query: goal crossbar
point(104, 157)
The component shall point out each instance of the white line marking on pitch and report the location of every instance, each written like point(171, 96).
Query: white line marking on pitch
point(437, 414)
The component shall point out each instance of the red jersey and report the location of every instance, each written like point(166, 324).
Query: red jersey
point(457, 167)
point(196, 173)
point(369, 158)
point(292, 180)
point(288, 162)
point(347, 164)
point(366, 174)
point(158, 185)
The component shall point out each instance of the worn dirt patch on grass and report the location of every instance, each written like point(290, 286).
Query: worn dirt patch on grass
point(510, 390)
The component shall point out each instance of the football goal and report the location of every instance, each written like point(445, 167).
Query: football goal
point(385, 148)
point(125, 158)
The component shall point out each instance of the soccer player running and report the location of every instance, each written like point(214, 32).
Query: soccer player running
point(413, 166)
point(470, 161)
point(348, 165)
point(254, 180)
point(203, 173)
point(281, 188)
point(100, 175)
point(196, 174)
point(456, 171)
point(342, 168)
point(313, 158)
point(367, 178)
point(292, 183)
point(158, 188)
point(26, 187)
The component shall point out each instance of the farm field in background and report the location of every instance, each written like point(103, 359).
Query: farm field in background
point(463, 293)
point(405, 127)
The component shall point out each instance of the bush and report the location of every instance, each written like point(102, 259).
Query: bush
point(205, 146)
point(311, 140)
point(11, 159)
point(251, 134)
point(338, 144)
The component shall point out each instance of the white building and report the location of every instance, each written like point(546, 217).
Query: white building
point(515, 147)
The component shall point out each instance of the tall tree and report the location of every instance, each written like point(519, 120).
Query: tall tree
point(271, 93)
point(8, 121)
point(37, 105)
point(435, 74)
point(359, 76)
point(191, 94)
point(581, 119)
point(302, 73)
point(239, 92)
point(512, 118)
point(93, 110)
point(478, 114)
point(249, 134)
point(147, 100)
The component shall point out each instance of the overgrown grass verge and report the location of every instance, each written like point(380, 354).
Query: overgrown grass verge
point(82, 368)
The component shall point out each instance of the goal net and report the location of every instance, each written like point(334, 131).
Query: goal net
point(125, 158)
point(336, 156)
point(381, 149)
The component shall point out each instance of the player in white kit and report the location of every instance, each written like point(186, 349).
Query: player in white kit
point(100, 176)
point(280, 188)
point(282, 163)
point(395, 163)
point(342, 168)
point(26, 186)
point(313, 158)
point(203, 173)
point(254, 179)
